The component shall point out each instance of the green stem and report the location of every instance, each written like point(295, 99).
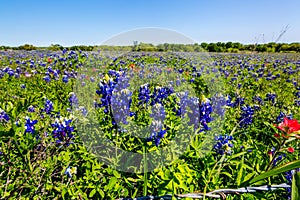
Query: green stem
point(275, 154)
point(145, 170)
point(211, 173)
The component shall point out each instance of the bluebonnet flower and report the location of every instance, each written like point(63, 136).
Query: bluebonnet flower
point(159, 94)
point(194, 113)
point(246, 117)
point(47, 78)
point(65, 79)
point(31, 108)
point(297, 94)
point(258, 99)
point(29, 125)
point(229, 101)
point(83, 110)
point(278, 159)
point(3, 116)
point(182, 105)
point(223, 145)
point(23, 86)
point(144, 94)
point(105, 91)
point(120, 103)
point(219, 103)
point(289, 178)
point(289, 175)
point(156, 137)
point(271, 97)
point(48, 106)
point(205, 109)
point(239, 101)
point(10, 72)
point(62, 131)
point(70, 171)
point(281, 115)
point(73, 100)
point(272, 151)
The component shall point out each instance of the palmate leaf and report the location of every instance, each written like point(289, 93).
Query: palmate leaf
point(275, 171)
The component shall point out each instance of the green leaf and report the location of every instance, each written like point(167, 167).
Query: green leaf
point(117, 174)
point(296, 186)
point(240, 173)
point(275, 171)
point(93, 192)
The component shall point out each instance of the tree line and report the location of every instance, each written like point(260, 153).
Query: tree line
point(232, 47)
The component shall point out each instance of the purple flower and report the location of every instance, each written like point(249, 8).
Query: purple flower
point(223, 145)
point(3, 116)
point(65, 79)
point(29, 125)
point(62, 131)
point(31, 109)
point(47, 78)
point(48, 106)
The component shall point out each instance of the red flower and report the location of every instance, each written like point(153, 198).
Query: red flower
point(291, 150)
point(49, 60)
point(289, 126)
point(277, 135)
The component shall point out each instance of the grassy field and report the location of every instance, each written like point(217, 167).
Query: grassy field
point(97, 125)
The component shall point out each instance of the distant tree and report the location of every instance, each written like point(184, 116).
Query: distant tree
point(204, 45)
point(294, 47)
point(27, 47)
point(55, 47)
point(212, 47)
point(228, 45)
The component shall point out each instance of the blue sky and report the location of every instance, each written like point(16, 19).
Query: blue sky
point(89, 22)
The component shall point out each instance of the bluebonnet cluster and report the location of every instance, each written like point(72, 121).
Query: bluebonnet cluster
point(73, 100)
point(272, 151)
point(156, 137)
point(3, 116)
point(159, 94)
point(31, 108)
point(246, 117)
point(278, 159)
point(105, 90)
point(271, 97)
point(63, 131)
point(120, 103)
point(205, 109)
point(83, 110)
point(47, 78)
point(180, 109)
point(223, 145)
point(65, 79)
point(29, 125)
point(281, 115)
point(239, 101)
point(289, 178)
point(220, 102)
point(297, 100)
point(48, 106)
point(157, 127)
point(258, 100)
point(144, 94)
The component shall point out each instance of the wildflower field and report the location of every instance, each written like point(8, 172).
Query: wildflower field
point(101, 125)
